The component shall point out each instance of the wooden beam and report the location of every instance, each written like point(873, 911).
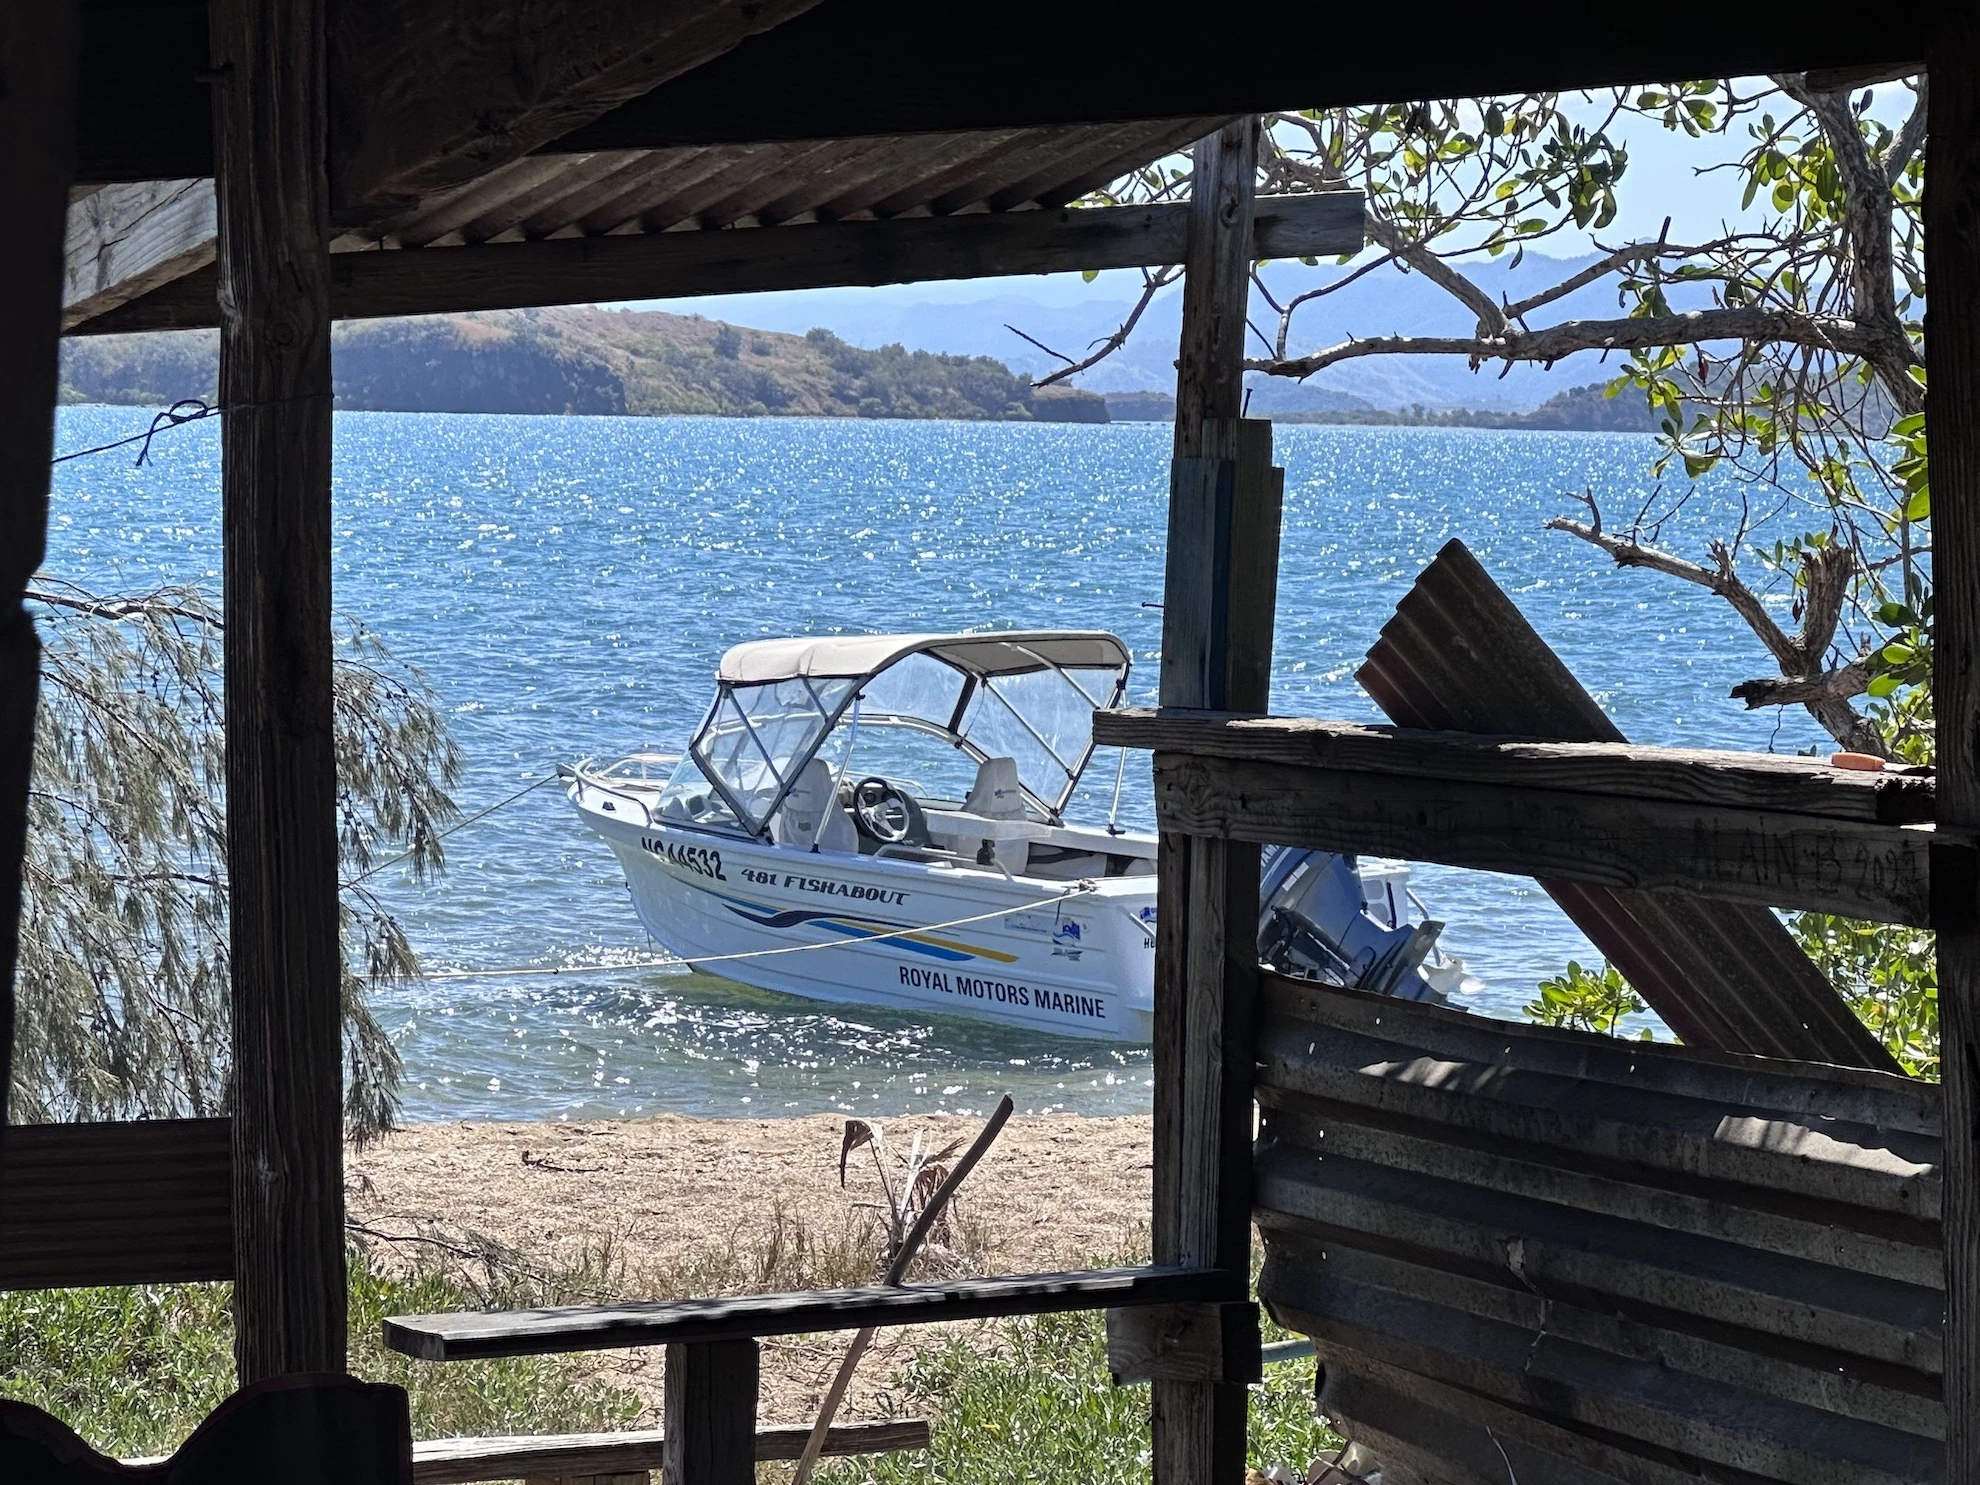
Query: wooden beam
point(668, 265)
point(1185, 1343)
point(289, 1296)
point(1745, 781)
point(139, 1203)
point(1631, 842)
point(126, 240)
point(38, 50)
point(710, 1406)
point(467, 1461)
point(1952, 349)
point(545, 1332)
point(1216, 652)
point(428, 94)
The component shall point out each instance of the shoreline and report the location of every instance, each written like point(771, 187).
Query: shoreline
point(672, 1205)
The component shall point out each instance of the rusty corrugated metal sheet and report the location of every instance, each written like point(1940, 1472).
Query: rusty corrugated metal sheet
point(1459, 656)
point(1613, 1261)
point(718, 186)
point(137, 1203)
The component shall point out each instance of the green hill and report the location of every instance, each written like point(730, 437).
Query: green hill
point(587, 360)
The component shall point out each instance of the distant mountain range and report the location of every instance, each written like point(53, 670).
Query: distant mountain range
point(888, 353)
point(1585, 409)
point(588, 360)
point(1385, 302)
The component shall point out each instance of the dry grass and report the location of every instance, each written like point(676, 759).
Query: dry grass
point(677, 1208)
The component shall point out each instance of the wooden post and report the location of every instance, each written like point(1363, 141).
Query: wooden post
point(710, 1407)
point(1952, 343)
point(269, 139)
point(37, 154)
point(1216, 652)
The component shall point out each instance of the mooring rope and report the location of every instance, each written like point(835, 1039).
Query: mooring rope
point(695, 962)
point(372, 871)
point(185, 410)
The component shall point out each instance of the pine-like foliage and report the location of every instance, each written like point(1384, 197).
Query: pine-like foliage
point(123, 982)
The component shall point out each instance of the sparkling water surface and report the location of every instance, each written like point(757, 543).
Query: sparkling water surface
point(568, 584)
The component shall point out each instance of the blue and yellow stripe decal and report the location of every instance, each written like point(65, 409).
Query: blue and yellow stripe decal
point(948, 950)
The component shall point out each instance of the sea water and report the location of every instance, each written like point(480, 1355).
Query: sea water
point(567, 585)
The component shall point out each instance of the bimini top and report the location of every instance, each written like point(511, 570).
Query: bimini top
point(1027, 695)
point(855, 655)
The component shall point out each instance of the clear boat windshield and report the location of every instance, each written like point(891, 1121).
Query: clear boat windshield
point(924, 720)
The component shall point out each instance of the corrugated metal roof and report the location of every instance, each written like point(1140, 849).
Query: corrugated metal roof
point(1459, 656)
point(716, 186)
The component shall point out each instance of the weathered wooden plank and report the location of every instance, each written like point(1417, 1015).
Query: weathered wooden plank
point(519, 275)
point(1858, 869)
point(139, 1203)
point(289, 1294)
point(1206, 956)
point(126, 240)
point(1952, 406)
point(1185, 1343)
point(1216, 289)
point(469, 1460)
point(38, 51)
point(710, 1409)
point(429, 95)
point(1760, 781)
point(475, 1337)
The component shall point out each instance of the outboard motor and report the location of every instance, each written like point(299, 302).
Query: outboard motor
point(1320, 919)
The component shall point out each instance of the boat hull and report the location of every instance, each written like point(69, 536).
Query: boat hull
point(854, 929)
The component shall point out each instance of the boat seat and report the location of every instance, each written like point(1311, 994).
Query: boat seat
point(995, 796)
point(815, 794)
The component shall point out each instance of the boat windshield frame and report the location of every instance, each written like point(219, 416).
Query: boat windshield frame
point(729, 710)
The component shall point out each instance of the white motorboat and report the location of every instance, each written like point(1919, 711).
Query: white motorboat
point(880, 819)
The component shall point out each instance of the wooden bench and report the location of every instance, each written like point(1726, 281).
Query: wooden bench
point(484, 1336)
point(710, 1435)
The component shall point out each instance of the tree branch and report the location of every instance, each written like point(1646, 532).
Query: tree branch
point(1910, 139)
point(1557, 342)
point(1827, 572)
point(1866, 217)
point(1388, 236)
point(1840, 684)
point(1151, 285)
point(1621, 257)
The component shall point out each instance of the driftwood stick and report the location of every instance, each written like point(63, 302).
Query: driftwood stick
point(896, 1272)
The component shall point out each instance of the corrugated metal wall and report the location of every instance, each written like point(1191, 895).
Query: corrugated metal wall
point(1546, 1256)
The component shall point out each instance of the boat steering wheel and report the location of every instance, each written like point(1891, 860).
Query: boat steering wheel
point(883, 811)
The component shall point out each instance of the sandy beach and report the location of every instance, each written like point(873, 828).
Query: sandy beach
point(669, 1206)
